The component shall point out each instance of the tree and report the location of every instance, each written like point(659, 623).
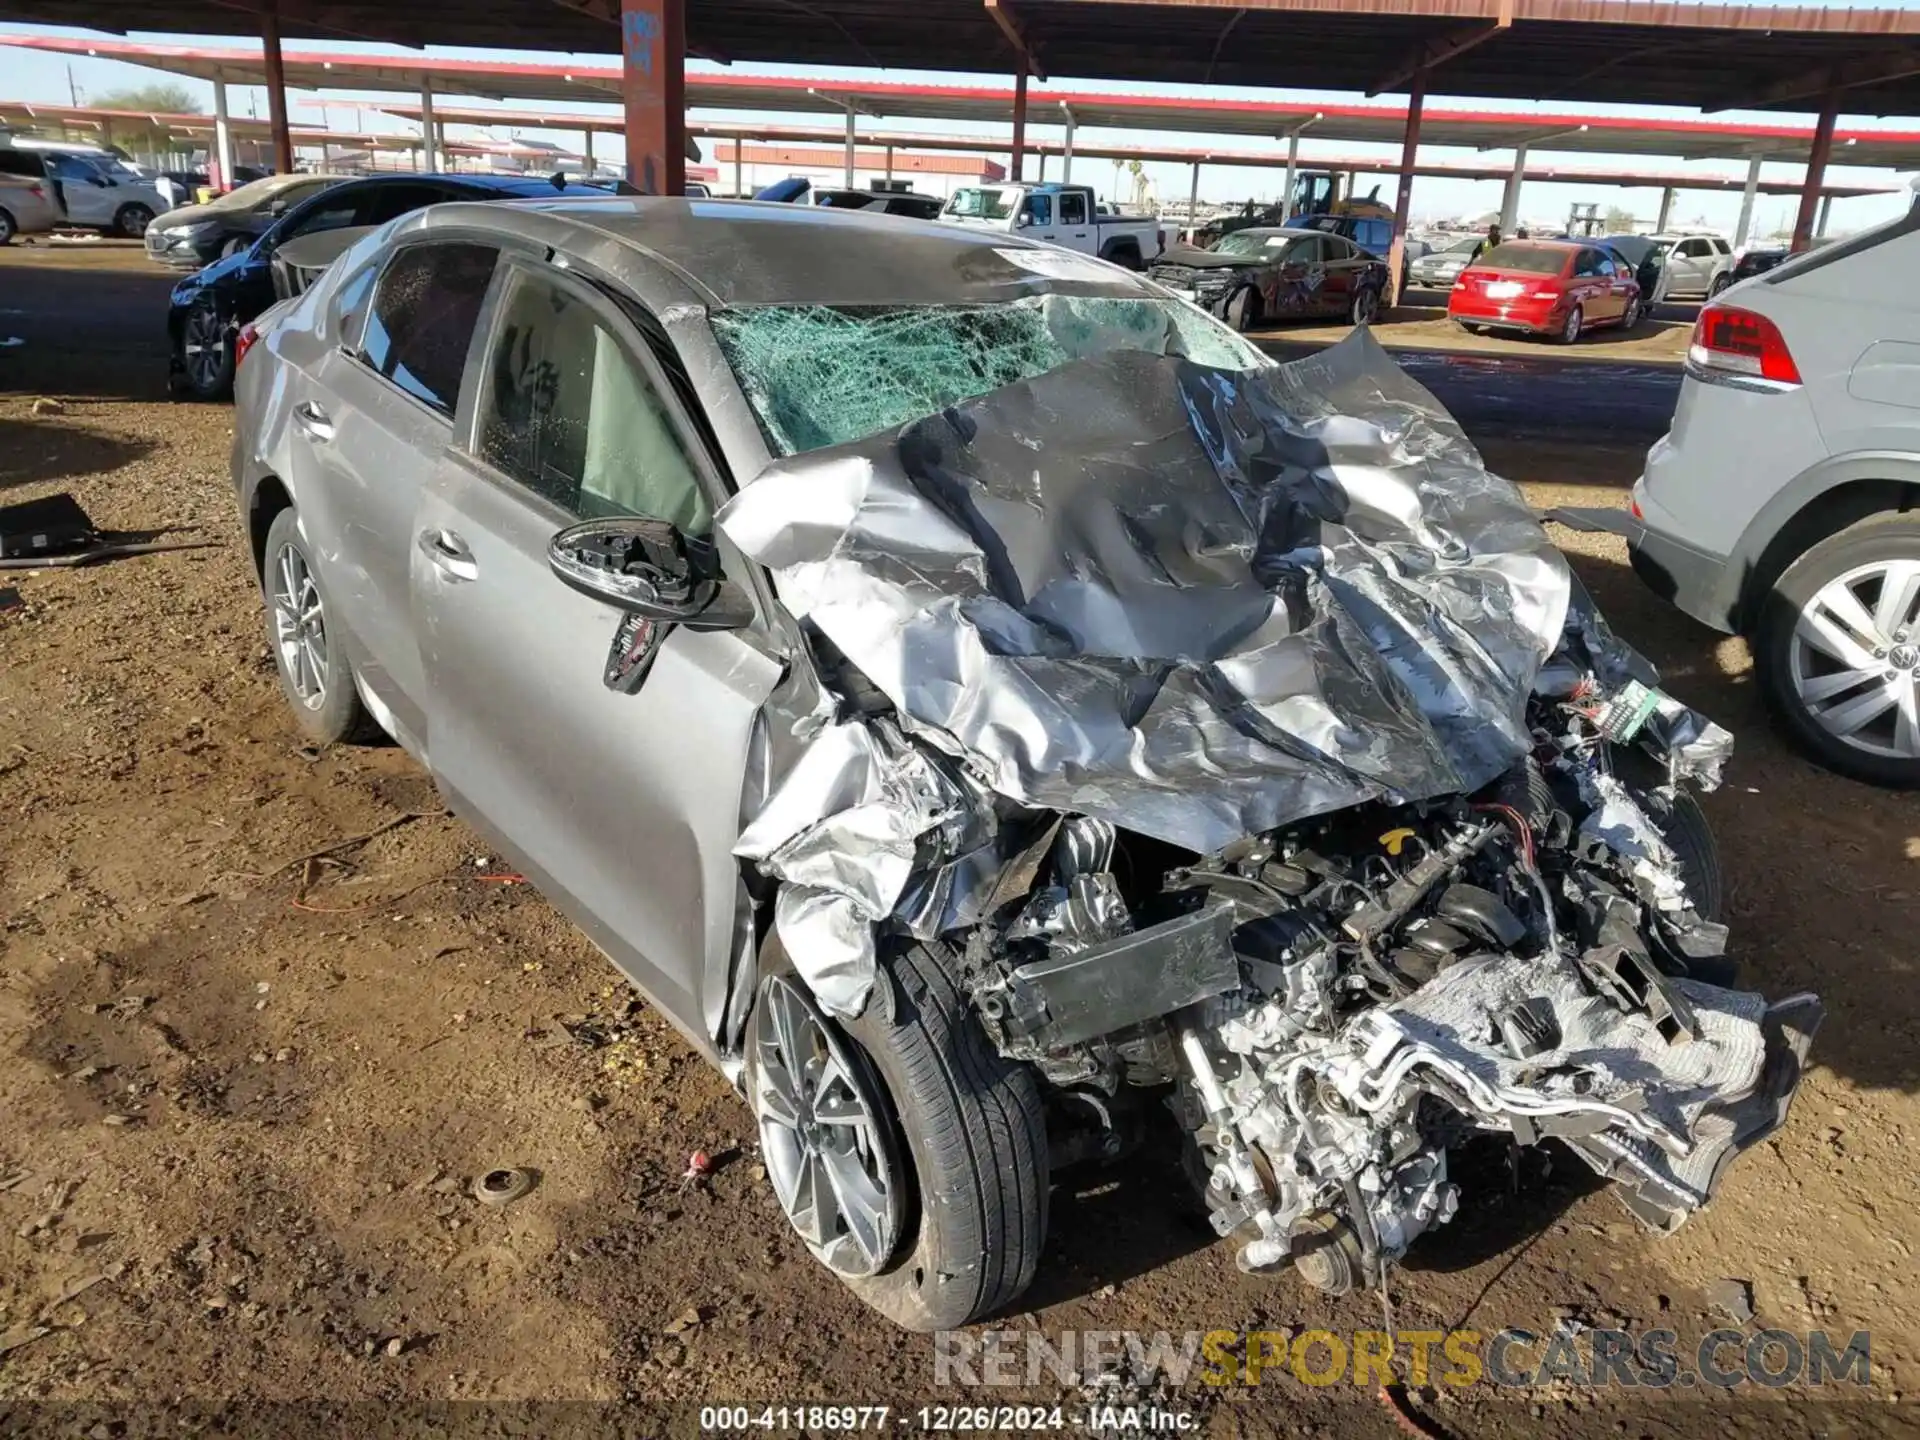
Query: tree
point(164, 98)
point(1619, 222)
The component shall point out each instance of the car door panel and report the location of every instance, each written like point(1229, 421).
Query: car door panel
point(624, 806)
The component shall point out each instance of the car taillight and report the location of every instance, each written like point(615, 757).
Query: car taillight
point(1742, 342)
point(38, 192)
point(1551, 294)
point(243, 342)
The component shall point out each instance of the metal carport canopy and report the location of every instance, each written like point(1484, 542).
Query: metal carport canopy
point(1474, 129)
point(1609, 51)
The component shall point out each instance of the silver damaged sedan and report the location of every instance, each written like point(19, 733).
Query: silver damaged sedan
point(999, 716)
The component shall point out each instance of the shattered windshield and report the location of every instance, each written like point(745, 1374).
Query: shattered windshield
point(1250, 242)
point(819, 375)
point(972, 204)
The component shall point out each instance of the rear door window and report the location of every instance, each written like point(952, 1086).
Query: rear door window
point(1073, 209)
point(425, 307)
point(1040, 209)
point(21, 162)
point(390, 202)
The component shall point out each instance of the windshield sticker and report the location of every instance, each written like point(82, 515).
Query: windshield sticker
point(1062, 265)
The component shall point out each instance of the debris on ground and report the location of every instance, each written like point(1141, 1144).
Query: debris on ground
point(500, 1188)
point(690, 1318)
point(1732, 1298)
point(45, 405)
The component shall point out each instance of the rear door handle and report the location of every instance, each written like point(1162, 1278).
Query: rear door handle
point(448, 554)
point(312, 420)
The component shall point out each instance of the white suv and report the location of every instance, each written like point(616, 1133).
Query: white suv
point(1698, 266)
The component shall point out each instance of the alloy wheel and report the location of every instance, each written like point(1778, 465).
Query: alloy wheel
point(134, 220)
point(1570, 332)
point(299, 627)
point(203, 346)
point(6, 227)
point(823, 1134)
point(1855, 658)
point(1366, 305)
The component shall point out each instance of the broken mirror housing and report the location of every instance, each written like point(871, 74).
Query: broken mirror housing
point(648, 568)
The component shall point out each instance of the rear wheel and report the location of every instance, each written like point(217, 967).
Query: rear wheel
point(1720, 282)
point(132, 220)
point(1366, 306)
point(1837, 649)
point(908, 1154)
point(1570, 330)
point(315, 674)
point(1632, 317)
point(7, 228)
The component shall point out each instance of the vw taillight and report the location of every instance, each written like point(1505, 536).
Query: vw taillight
point(243, 342)
point(1742, 342)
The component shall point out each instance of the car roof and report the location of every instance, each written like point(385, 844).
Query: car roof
point(1297, 231)
point(525, 186)
point(747, 252)
point(1546, 243)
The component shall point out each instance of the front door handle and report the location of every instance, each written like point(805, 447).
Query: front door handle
point(312, 421)
point(448, 554)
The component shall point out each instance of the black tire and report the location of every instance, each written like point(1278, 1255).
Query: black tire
point(1569, 333)
point(1242, 310)
point(132, 220)
point(972, 1126)
point(8, 227)
point(1879, 537)
point(1365, 308)
point(205, 361)
point(1720, 282)
point(1683, 825)
point(335, 714)
point(1634, 314)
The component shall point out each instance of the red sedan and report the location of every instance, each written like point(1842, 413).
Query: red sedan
point(1560, 288)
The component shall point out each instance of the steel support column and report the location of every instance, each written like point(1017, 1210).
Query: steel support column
point(653, 58)
point(852, 161)
point(587, 154)
point(889, 160)
point(1816, 171)
point(1826, 212)
point(1293, 163)
point(1193, 200)
point(276, 88)
point(1066, 150)
point(429, 131)
point(1666, 211)
point(222, 135)
point(1019, 122)
point(1510, 198)
point(1403, 196)
point(739, 162)
point(1745, 227)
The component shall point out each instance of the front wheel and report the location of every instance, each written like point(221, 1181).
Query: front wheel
point(1570, 331)
point(1366, 307)
point(1720, 282)
point(1837, 651)
point(907, 1153)
point(7, 228)
point(132, 220)
point(1243, 310)
point(1632, 317)
point(206, 352)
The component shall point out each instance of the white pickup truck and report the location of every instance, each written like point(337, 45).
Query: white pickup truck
point(1064, 215)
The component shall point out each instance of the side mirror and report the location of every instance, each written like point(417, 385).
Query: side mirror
point(1023, 220)
point(648, 568)
point(102, 181)
point(277, 207)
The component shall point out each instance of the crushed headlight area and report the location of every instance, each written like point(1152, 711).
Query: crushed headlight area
point(1234, 737)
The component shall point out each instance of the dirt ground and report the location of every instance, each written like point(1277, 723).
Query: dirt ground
point(251, 1067)
point(1422, 324)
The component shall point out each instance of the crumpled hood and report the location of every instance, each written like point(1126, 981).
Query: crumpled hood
point(1196, 603)
point(1211, 260)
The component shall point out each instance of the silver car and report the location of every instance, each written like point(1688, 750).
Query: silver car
point(982, 701)
point(1438, 269)
point(1779, 505)
point(26, 208)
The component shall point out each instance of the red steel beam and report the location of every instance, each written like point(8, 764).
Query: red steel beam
point(1816, 172)
point(653, 60)
point(1016, 34)
point(276, 88)
point(1403, 196)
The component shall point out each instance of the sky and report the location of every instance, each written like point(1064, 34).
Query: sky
point(27, 76)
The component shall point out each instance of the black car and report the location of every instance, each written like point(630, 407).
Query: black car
point(207, 309)
point(1260, 276)
point(890, 202)
point(196, 235)
point(1758, 262)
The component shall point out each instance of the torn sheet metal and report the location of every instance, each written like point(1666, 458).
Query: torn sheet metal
point(1193, 603)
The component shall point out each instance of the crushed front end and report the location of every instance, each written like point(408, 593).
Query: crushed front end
point(1237, 737)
